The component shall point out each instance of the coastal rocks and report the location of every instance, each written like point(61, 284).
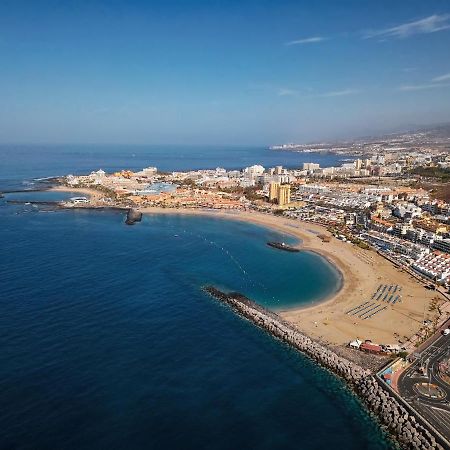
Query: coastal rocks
point(399, 422)
point(133, 216)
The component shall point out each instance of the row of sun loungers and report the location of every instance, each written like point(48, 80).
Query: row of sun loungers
point(380, 308)
point(358, 309)
point(366, 310)
point(385, 293)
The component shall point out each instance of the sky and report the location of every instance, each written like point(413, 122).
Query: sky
point(220, 72)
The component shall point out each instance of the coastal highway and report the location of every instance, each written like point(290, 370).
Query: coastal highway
point(433, 403)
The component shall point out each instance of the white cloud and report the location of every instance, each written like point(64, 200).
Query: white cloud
point(309, 40)
point(285, 92)
point(427, 25)
point(436, 82)
point(303, 92)
point(340, 93)
point(421, 87)
point(445, 77)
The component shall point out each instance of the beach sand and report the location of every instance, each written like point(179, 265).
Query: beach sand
point(362, 272)
point(93, 194)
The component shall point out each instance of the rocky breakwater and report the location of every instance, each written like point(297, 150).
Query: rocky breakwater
point(400, 423)
point(133, 216)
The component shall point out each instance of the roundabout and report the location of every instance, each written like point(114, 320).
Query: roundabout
point(430, 390)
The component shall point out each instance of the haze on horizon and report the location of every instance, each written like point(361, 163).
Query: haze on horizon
point(222, 72)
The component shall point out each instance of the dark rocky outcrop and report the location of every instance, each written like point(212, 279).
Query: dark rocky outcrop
point(133, 216)
point(400, 423)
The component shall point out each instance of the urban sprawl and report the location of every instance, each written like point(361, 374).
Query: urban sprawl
point(377, 201)
point(391, 197)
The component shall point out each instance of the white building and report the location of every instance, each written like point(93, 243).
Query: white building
point(149, 171)
point(435, 266)
point(255, 170)
point(310, 166)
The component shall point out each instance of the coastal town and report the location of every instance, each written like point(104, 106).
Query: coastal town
point(225, 225)
point(383, 220)
point(377, 202)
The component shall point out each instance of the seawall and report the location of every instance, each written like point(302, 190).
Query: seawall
point(401, 423)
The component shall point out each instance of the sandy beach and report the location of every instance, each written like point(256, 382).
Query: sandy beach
point(92, 194)
point(362, 272)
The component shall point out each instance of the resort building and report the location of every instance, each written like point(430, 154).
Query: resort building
point(281, 193)
point(442, 244)
point(284, 194)
point(273, 191)
point(435, 265)
point(310, 167)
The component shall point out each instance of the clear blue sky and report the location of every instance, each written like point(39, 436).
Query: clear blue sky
point(223, 72)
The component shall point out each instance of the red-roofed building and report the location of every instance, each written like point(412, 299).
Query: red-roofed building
point(370, 348)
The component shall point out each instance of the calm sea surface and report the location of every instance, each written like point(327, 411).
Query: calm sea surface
point(25, 162)
point(108, 342)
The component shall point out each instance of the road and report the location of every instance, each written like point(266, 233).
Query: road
point(435, 410)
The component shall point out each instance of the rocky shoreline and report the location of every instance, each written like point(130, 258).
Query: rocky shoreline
point(402, 424)
point(133, 216)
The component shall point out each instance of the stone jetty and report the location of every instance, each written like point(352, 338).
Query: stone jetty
point(401, 423)
point(133, 216)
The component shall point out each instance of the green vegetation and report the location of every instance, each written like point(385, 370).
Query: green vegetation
point(249, 192)
point(187, 182)
point(362, 244)
point(439, 173)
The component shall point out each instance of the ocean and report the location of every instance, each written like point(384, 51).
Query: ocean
point(21, 163)
point(108, 340)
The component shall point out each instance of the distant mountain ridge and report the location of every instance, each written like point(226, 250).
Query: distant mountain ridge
point(437, 134)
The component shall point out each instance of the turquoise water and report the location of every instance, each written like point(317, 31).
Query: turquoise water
point(108, 340)
point(234, 256)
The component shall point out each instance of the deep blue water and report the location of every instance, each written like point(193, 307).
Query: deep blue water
point(109, 342)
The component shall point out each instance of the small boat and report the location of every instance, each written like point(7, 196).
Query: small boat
point(283, 246)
